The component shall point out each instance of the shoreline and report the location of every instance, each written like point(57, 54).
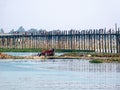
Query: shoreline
point(98, 57)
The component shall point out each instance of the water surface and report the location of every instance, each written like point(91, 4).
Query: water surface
point(27, 53)
point(58, 74)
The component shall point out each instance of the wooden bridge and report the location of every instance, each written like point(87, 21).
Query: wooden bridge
point(97, 40)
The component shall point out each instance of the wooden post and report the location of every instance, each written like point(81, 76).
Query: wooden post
point(94, 40)
point(89, 39)
point(105, 39)
point(99, 42)
point(118, 40)
point(84, 34)
point(79, 39)
point(110, 42)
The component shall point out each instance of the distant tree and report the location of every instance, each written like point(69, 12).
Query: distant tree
point(1, 31)
point(21, 30)
point(33, 31)
point(12, 31)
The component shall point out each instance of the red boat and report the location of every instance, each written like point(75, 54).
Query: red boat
point(50, 52)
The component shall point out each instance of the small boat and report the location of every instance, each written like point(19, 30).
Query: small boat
point(50, 52)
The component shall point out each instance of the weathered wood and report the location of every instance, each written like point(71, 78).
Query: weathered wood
point(98, 40)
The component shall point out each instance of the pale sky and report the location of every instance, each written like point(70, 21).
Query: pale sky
point(59, 14)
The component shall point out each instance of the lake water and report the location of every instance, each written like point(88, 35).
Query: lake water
point(58, 74)
point(27, 53)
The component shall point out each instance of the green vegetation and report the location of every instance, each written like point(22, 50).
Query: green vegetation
point(39, 50)
point(95, 61)
point(72, 50)
point(105, 55)
point(19, 50)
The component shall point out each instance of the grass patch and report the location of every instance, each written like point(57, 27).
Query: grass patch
point(72, 50)
point(106, 55)
point(20, 50)
point(39, 50)
point(95, 61)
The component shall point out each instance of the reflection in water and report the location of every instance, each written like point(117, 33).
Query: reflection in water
point(85, 66)
point(62, 74)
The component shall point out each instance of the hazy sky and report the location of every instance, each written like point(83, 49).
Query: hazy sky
point(59, 14)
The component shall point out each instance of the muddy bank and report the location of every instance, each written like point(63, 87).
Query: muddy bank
point(6, 56)
point(101, 57)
